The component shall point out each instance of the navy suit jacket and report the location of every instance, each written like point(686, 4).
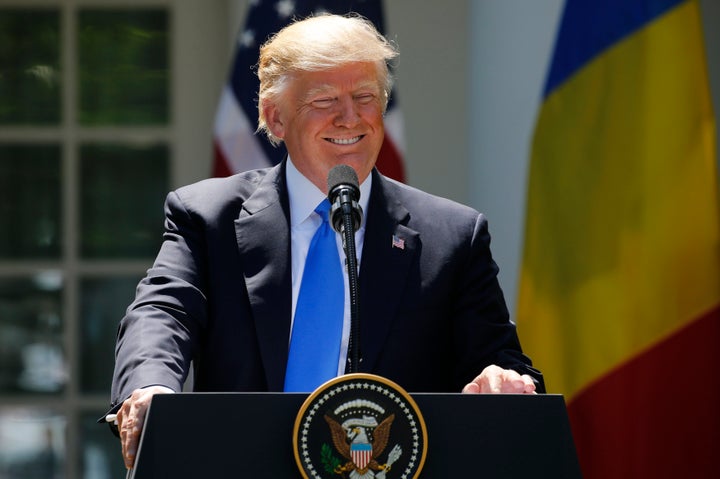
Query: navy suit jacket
point(219, 293)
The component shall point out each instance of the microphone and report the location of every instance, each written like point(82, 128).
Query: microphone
point(345, 217)
point(344, 193)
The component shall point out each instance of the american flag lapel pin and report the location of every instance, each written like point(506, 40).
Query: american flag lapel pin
point(398, 242)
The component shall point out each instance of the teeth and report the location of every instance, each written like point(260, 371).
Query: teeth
point(348, 141)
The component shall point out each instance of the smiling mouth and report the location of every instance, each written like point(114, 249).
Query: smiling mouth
point(345, 141)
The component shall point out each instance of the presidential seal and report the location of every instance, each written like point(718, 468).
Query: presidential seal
point(360, 426)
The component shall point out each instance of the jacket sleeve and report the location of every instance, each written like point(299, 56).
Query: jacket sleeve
point(157, 337)
point(484, 333)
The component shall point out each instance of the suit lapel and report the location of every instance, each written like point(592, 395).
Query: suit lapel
point(389, 250)
point(263, 237)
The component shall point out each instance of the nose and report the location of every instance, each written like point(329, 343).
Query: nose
point(347, 114)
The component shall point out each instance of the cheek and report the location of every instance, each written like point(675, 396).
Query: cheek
point(372, 114)
point(312, 122)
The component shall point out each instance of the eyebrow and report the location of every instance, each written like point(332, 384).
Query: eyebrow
point(329, 89)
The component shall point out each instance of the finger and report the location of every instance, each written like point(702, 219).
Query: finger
point(136, 407)
point(512, 387)
point(138, 415)
point(489, 380)
point(530, 386)
point(512, 383)
point(127, 436)
point(125, 428)
point(471, 388)
point(494, 382)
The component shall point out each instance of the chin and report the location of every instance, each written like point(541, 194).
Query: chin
point(362, 168)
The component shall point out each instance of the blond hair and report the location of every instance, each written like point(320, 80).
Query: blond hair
point(319, 43)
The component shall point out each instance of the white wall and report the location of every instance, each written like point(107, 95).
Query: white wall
point(512, 41)
point(196, 84)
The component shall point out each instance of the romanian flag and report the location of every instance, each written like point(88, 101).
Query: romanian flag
point(619, 300)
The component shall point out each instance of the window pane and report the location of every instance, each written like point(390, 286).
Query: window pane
point(29, 201)
point(123, 67)
point(122, 193)
point(29, 66)
point(103, 303)
point(32, 359)
point(33, 443)
point(100, 449)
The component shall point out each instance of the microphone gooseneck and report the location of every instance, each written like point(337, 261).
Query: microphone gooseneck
point(345, 218)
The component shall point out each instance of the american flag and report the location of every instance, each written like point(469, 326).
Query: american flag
point(398, 242)
point(237, 147)
point(361, 454)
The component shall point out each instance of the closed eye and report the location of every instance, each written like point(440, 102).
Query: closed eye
point(322, 103)
point(364, 98)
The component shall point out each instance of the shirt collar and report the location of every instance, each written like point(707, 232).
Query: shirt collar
point(305, 196)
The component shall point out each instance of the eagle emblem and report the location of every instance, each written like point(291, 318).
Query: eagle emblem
point(359, 426)
point(361, 440)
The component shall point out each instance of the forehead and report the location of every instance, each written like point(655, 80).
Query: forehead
point(349, 77)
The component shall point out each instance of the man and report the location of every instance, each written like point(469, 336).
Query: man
point(225, 284)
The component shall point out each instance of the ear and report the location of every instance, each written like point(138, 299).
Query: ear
point(274, 119)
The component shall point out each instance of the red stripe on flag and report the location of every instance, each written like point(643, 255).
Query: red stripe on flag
point(658, 415)
point(389, 161)
point(221, 168)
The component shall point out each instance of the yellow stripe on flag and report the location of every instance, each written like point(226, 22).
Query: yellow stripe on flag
point(622, 243)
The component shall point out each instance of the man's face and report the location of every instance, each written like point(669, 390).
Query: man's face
point(331, 117)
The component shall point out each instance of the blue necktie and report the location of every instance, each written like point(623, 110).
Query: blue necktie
point(317, 328)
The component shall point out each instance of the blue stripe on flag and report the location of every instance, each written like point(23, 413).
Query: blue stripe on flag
point(590, 26)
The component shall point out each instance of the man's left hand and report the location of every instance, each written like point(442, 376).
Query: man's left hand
point(496, 380)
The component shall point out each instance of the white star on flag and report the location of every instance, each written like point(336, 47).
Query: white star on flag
point(247, 39)
point(285, 8)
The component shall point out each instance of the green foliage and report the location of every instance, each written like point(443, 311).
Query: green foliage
point(123, 67)
point(329, 460)
point(29, 66)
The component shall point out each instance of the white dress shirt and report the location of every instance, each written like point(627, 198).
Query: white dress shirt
point(304, 198)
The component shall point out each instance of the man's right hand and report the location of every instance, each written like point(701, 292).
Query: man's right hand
point(131, 418)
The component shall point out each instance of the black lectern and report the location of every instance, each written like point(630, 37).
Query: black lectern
point(249, 435)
